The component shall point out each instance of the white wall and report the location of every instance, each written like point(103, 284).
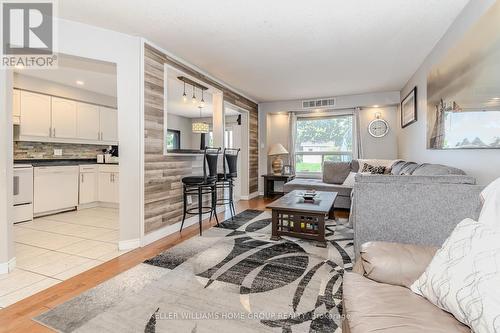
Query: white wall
point(6, 173)
point(380, 148)
point(61, 90)
point(482, 164)
point(273, 124)
point(184, 125)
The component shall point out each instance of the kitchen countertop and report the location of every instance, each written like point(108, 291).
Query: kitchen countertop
point(59, 162)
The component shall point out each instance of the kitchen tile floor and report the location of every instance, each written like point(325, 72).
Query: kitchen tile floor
point(55, 248)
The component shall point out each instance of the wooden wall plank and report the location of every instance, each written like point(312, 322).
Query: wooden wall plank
point(163, 174)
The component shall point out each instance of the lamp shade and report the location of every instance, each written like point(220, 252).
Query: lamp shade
point(200, 127)
point(277, 149)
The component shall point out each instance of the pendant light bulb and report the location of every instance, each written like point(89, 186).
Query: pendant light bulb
point(202, 103)
point(194, 97)
point(184, 96)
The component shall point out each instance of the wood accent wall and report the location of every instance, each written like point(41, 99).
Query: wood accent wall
point(163, 174)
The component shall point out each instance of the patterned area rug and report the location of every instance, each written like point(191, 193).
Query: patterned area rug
point(232, 279)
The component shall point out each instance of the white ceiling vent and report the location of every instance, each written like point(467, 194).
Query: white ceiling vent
point(319, 103)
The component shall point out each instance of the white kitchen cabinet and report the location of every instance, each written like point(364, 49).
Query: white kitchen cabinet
point(64, 122)
point(88, 184)
point(35, 115)
point(45, 118)
point(55, 188)
point(16, 106)
point(109, 184)
point(108, 124)
point(88, 121)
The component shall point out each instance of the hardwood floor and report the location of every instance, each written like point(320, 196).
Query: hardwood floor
point(17, 317)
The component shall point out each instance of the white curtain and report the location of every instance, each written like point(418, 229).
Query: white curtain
point(292, 123)
point(358, 146)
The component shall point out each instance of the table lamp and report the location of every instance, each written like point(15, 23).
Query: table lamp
point(276, 150)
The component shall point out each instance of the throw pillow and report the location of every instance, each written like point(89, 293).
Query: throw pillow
point(375, 170)
point(463, 278)
point(490, 197)
point(335, 172)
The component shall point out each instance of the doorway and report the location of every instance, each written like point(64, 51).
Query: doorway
point(236, 136)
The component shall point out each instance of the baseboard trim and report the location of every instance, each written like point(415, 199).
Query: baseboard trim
point(129, 244)
point(88, 205)
point(171, 229)
point(7, 267)
point(250, 196)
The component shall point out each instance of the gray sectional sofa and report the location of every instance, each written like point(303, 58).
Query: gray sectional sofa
point(412, 203)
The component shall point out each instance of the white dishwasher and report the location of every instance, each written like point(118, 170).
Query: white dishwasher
point(55, 189)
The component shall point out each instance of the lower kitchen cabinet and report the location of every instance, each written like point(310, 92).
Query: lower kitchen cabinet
point(55, 188)
point(109, 184)
point(88, 184)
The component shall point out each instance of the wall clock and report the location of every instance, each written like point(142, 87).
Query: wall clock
point(378, 128)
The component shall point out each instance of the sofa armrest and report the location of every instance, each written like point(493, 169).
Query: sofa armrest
point(395, 263)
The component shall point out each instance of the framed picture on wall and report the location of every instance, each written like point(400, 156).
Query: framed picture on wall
point(409, 109)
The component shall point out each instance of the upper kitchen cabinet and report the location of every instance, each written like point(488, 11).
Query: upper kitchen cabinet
point(35, 115)
point(88, 122)
point(55, 119)
point(64, 123)
point(16, 106)
point(109, 124)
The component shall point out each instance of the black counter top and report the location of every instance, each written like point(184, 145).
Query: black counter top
point(57, 162)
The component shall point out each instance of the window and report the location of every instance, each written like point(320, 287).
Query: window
point(173, 139)
point(322, 139)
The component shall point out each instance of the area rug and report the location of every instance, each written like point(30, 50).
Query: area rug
point(231, 279)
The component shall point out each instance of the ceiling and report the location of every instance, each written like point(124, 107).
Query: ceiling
point(96, 76)
point(279, 50)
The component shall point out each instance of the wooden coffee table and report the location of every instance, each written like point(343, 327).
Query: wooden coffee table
point(292, 216)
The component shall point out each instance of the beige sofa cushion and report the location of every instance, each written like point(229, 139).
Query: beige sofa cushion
point(376, 307)
point(395, 263)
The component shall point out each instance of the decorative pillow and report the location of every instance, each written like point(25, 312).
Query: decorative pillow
point(375, 170)
point(375, 162)
point(463, 278)
point(490, 198)
point(335, 172)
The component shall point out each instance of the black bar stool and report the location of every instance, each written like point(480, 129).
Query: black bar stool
point(226, 180)
point(201, 185)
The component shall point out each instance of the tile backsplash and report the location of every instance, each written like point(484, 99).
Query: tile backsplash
point(45, 150)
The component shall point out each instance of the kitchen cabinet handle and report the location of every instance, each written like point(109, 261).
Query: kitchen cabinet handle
point(82, 178)
point(50, 131)
point(54, 130)
point(110, 177)
point(98, 135)
point(16, 185)
point(101, 136)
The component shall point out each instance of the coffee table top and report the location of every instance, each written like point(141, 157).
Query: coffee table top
point(322, 204)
